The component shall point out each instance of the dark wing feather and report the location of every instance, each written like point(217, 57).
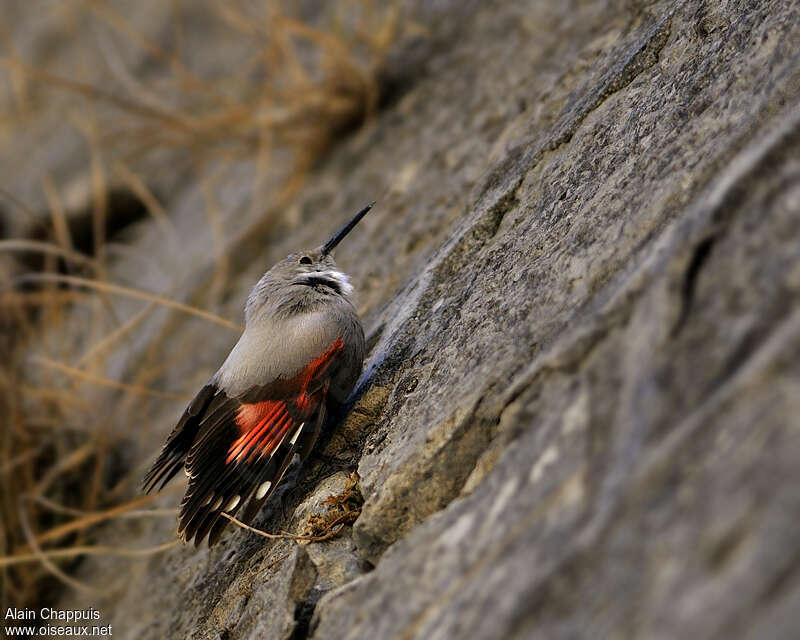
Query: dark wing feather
point(302, 446)
point(273, 473)
point(228, 466)
point(179, 442)
point(236, 450)
point(243, 450)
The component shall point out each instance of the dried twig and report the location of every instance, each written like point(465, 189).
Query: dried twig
point(130, 293)
point(105, 382)
point(71, 552)
point(341, 521)
point(87, 521)
point(39, 555)
point(348, 503)
point(46, 247)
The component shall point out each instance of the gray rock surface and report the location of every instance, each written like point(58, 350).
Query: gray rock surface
point(579, 415)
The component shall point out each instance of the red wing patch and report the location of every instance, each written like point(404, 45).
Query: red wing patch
point(243, 448)
point(259, 424)
point(263, 425)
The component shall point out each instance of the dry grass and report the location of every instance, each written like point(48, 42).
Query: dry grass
point(297, 88)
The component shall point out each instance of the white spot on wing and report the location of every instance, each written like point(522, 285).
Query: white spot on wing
point(232, 503)
point(296, 434)
point(207, 500)
point(217, 504)
point(262, 490)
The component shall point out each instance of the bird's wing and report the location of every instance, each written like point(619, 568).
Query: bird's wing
point(169, 462)
point(242, 448)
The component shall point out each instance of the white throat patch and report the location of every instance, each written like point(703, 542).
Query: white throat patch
point(339, 278)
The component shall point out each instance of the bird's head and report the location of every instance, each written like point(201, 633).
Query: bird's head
point(312, 269)
point(305, 278)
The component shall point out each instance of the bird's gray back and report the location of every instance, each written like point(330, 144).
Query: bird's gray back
point(280, 346)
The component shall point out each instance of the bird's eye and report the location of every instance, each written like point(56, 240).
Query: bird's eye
point(305, 260)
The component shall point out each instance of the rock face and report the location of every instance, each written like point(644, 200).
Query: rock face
point(579, 415)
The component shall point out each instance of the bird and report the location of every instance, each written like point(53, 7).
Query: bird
point(297, 360)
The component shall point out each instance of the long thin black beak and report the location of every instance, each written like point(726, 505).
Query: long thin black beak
point(330, 244)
